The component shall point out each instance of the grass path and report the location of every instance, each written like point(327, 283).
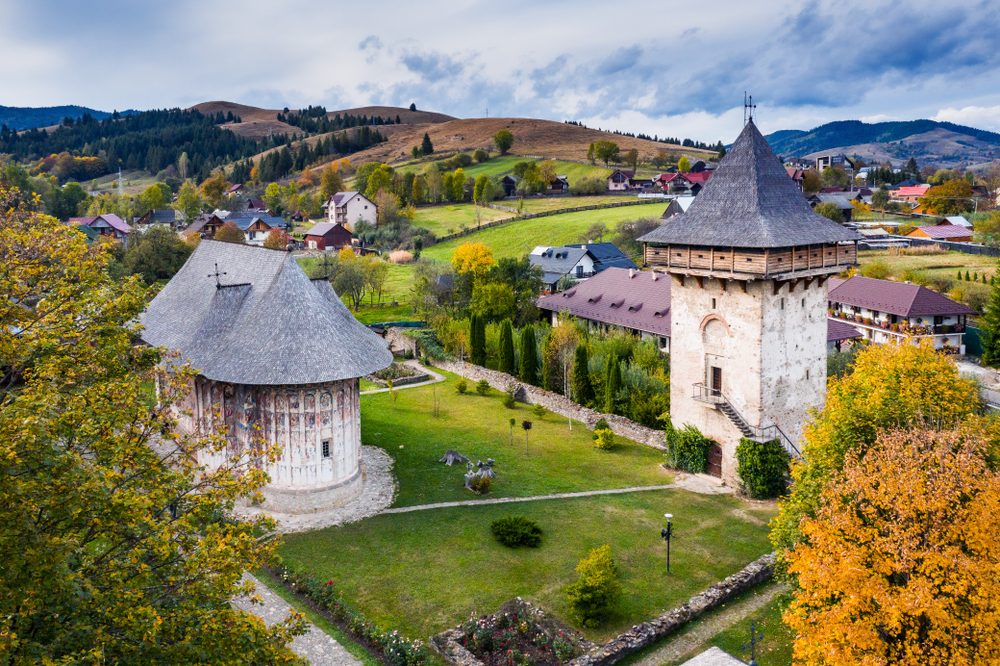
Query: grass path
point(535, 498)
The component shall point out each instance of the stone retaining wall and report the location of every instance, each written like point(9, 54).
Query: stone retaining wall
point(400, 343)
point(557, 403)
point(643, 635)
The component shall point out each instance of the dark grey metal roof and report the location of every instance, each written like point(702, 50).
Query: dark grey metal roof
point(269, 323)
point(750, 202)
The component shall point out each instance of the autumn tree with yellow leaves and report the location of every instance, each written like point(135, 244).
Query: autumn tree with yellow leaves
point(472, 258)
point(116, 546)
point(900, 563)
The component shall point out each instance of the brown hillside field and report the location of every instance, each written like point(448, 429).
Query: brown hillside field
point(259, 123)
point(532, 137)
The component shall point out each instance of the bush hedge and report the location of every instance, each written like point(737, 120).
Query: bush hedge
point(604, 439)
point(687, 449)
point(514, 531)
point(763, 468)
point(389, 646)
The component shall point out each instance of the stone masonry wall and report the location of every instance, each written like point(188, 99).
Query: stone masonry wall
point(557, 403)
point(643, 635)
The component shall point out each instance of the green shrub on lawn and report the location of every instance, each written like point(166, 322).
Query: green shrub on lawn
point(514, 531)
point(508, 399)
point(482, 387)
point(763, 468)
point(393, 649)
point(687, 449)
point(481, 484)
point(596, 590)
point(462, 386)
point(604, 439)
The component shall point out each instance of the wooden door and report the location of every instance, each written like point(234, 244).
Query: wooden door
point(716, 383)
point(714, 460)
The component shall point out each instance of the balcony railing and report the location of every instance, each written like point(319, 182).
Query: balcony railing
point(902, 328)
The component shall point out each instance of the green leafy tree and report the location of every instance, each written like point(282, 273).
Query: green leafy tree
point(154, 197)
point(426, 147)
point(457, 193)
point(330, 182)
point(829, 211)
point(507, 359)
point(583, 389)
point(188, 201)
point(606, 151)
point(156, 255)
point(503, 139)
point(880, 199)
point(112, 536)
point(595, 592)
point(529, 356)
point(684, 164)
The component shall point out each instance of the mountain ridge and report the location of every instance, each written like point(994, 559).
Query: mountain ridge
point(28, 117)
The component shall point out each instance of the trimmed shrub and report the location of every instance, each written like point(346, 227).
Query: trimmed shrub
point(687, 449)
point(763, 468)
point(539, 410)
point(602, 424)
point(508, 399)
point(604, 439)
point(596, 590)
point(482, 387)
point(514, 531)
point(462, 386)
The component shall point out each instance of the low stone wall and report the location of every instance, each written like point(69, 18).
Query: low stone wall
point(400, 343)
point(643, 635)
point(557, 403)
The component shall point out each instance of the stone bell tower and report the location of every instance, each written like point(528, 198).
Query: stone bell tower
point(749, 262)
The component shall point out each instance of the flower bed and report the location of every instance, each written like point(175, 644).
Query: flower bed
point(517, 634)
point(389, 646)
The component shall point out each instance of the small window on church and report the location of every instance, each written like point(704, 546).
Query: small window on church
point(803, 302)
point(782, 304)
point(326, 448)
point(807, 373)
point(713, 303)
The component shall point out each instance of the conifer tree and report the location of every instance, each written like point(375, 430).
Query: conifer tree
point(507, 361)
point(426, 147)
point(990, 327)
point(612, 384)
point(529, 356)
point(967, 278)
point(477, 340)
point(583, 390)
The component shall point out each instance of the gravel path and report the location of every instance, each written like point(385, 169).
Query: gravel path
point(435, 378)
point(315, 645)
point(680, 645)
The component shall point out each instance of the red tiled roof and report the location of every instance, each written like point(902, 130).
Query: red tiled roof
point(838, 330)
point(898, 298)
point(944, 231)
point(698, 177)
point(620, 297)
point(912, 191)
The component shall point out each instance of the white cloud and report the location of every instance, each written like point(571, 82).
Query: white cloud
point(982, 117)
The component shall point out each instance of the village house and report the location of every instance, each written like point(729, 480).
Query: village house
point(886, 311)
point(676, 206)
point(796, 174)
point(576, 261)
point(910, 193)
point(838, 200)
point(106, 224)
point(509, 185)
point(256, 227)
point(349, 208)
point(834, 160)
point(559, 185)
point(206, 224)
point(234, 190)
point(165, 217)
point(943, 232)
point(638, 302)
point(620, 180)
point(328, 236)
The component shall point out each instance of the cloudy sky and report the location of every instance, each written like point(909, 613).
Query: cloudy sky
point(676, 69)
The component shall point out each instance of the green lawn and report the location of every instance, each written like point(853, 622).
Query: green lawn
point(451, 218)
point(518, 238)
point(944, 265)
point(426, 571)
point(498, 166)
point(776, 646)
point(557, 459)
point(540, 204)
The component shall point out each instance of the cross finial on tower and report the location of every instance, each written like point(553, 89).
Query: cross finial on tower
point(755, 639)
point(748, 107)
point(217, 275)
point(326, 266)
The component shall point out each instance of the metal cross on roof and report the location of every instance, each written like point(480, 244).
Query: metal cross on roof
point(756, 637)
point(217, 275)
point(326, 266)
point(748, 107)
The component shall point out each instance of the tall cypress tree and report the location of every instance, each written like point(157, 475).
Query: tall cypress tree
point(612, 384)
point(477, 340)
point(990, 327)
point(426, 147)
point(583, 390)
point(529, 356)
point(507, 361)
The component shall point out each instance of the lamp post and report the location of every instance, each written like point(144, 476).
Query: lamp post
point(666, 533)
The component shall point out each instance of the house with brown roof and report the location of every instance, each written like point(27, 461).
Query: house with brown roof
point(886, 311)
point(106, 224)
point(620, 180)
point(944, 232)
point(328, 236)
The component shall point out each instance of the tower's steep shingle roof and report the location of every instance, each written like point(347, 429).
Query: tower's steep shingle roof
point(269, 323)
point(750, 202)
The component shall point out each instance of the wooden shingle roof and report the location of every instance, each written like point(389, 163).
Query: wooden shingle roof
point(268, 324)
point(750, 202)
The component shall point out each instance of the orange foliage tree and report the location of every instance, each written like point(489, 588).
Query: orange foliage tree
point(277, 239)
point(901, 562)
point(230, 233)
